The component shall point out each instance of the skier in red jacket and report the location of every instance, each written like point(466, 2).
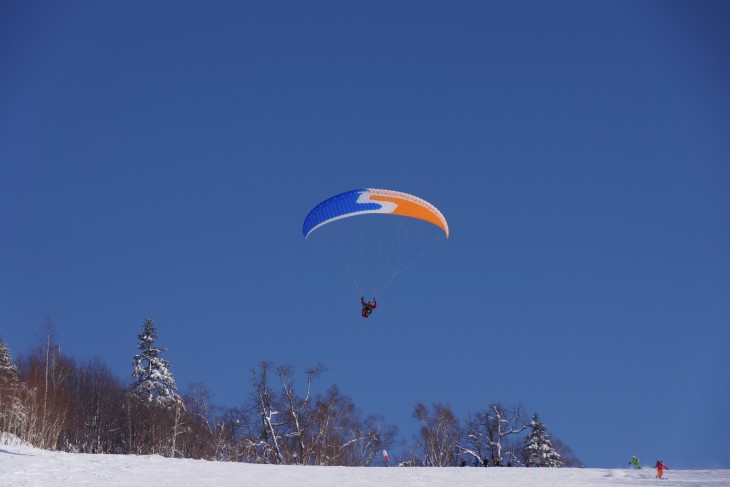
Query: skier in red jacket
point(660, 467)
point(368, 307)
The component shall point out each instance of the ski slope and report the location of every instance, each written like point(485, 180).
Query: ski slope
point(25, 466)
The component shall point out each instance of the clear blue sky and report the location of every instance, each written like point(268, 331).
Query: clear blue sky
point(158, 159)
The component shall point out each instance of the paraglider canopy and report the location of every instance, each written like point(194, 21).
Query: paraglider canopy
point(374, 248)
point(366, 201)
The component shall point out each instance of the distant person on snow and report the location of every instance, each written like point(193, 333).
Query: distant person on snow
point(368, 307)
point(635, 462)
point(660, 467)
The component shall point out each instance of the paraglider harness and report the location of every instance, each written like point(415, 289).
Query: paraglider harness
point(368, 307)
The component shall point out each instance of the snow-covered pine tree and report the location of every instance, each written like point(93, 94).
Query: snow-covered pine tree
point(539, 451)
point(153, 380)
point(9, 375)
point(13, 414)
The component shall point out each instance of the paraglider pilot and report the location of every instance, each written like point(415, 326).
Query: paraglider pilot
point(368, 307)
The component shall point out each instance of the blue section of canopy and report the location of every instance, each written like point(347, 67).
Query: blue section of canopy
point(336, 207)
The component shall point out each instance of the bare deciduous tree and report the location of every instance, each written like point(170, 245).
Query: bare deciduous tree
point(267, 411)
point(566, 453)
point(490, 432)
point(501, 425)
point(298, 410)
point(439, 435)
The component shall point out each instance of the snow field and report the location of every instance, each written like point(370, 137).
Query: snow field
point(25, 466)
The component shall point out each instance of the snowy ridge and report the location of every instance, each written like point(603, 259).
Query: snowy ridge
point(25, 466)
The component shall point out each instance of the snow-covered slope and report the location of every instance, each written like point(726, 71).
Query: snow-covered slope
point(22, 465)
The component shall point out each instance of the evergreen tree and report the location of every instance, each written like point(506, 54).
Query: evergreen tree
point(9, 375)
point(153, 380)
point(13, 414)
point(539, 451)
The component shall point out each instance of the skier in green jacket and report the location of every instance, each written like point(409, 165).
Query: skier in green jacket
point(635, 462)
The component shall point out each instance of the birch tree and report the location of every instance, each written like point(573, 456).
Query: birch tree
point(267, 411)
point(489, 432)
point(439, 435)
point(298, 410)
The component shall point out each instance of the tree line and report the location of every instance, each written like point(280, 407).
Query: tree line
point(54, 402)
